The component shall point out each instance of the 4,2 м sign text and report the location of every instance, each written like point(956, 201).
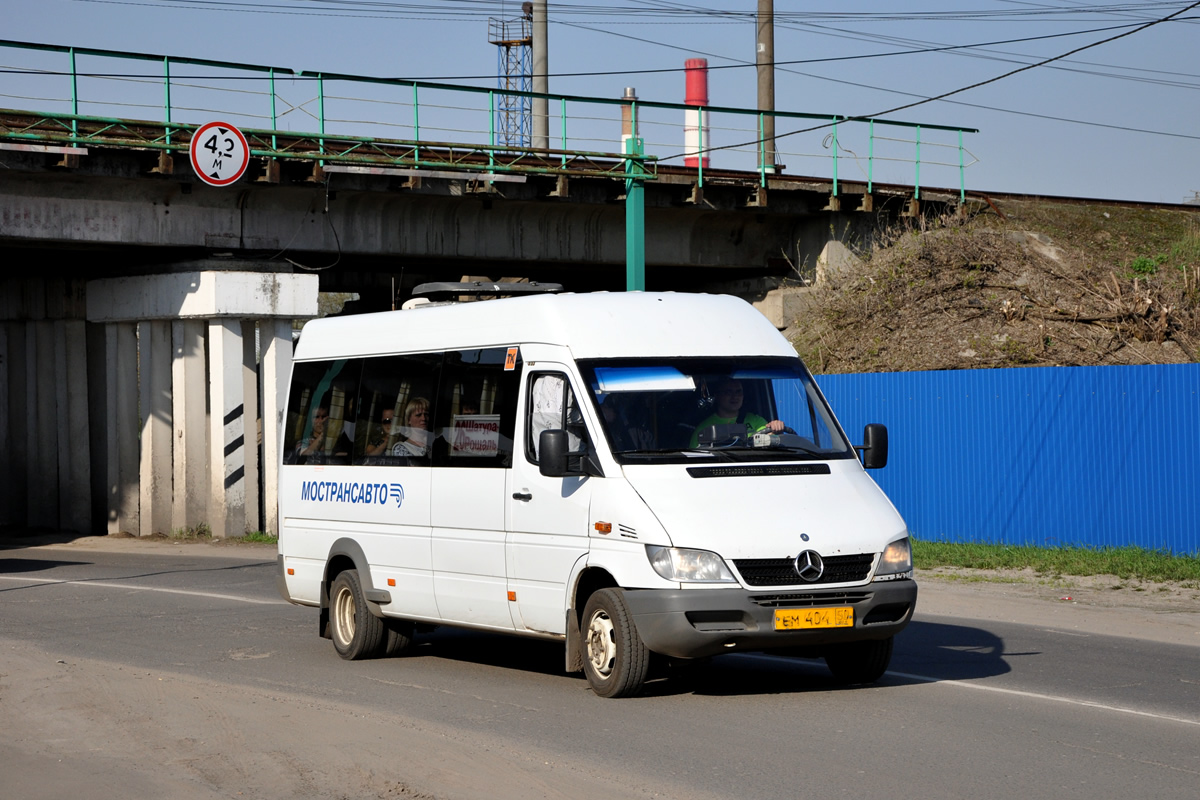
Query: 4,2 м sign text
point(219, 153)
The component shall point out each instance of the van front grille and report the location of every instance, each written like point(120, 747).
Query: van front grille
point(782, 571)
point(809, 600)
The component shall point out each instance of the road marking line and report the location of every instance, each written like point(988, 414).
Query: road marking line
point(134, 587)
point(1038, 696)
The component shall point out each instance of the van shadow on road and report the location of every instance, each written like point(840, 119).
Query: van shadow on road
point(928, 650)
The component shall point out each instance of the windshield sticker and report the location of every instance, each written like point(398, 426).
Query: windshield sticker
point(351, 492)
point(510, 360)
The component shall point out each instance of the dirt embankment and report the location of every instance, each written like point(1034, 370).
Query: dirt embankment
point(1020, 283)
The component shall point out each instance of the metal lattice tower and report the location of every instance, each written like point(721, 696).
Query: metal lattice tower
point(514, 43)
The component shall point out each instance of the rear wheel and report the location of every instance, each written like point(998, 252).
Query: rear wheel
point(356, 632)
point(615, 660)
point(860, 662)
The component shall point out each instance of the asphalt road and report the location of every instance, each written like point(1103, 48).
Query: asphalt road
point(177, 671)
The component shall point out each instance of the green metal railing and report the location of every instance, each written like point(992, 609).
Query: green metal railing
point(589, 139)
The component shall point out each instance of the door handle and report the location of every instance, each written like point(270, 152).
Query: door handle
point(524, 496)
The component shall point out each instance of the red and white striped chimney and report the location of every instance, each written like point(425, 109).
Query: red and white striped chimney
point(695, 120)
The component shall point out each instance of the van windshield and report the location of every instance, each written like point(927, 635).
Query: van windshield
point(732, 408)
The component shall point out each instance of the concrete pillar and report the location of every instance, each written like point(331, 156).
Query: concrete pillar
point(120, 429)
point(250, 415)
point(74, 449)
point(189, 450)
point(276, 338)
point(7, 509)
point(227, 431)
point(154, 464)
point(41, 430)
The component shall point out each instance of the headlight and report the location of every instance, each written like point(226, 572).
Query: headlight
point(896, 561)
point(692, 566)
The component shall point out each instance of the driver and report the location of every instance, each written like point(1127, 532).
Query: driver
point(727, 397)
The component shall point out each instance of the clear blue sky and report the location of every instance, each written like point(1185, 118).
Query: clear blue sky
point(1119, 121)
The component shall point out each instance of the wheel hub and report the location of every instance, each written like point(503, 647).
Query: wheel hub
point(601, 644)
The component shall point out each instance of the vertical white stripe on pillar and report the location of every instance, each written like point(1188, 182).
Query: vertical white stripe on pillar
point(189, 452)
point(74, 450)
point(40, 428)
point(154, 374)
point(226, 437)
point(250, 403)
point(276, 370)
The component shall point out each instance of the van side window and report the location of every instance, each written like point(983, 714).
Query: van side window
point(552, 405)
point(396, 410)
point(320, 425)
point(477, 408)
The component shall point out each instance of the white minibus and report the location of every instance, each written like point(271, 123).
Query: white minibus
point(638, 475)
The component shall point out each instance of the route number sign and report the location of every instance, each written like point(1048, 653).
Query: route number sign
point(219, 153)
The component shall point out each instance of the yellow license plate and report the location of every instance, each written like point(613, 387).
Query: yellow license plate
point(796, 619)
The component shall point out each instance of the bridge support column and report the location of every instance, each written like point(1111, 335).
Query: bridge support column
point(74, 461)
point(275, 338)
point(155, 405)
point(115, 426)
point(197, 348)
point(189, 442)
point(226, 430)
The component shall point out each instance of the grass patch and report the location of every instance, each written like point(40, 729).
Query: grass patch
point(258, 537)
point(1127, 563)
point(200, 533)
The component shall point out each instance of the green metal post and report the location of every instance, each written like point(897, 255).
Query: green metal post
point(416, 127)
point(762, 153)
point(917, 180)
point(635, 217)
point(74, 97)
point(321, 111)
point(562, 111)
point(274, 118)
point(491, 129)
point(167, 84)
point(834, 156)
point(871, 156)
point(962, 177)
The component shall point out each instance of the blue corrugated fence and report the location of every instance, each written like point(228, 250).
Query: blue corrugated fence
point(1081, 456)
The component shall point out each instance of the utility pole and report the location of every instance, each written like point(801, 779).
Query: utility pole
point(765, 60)
point(541, 81)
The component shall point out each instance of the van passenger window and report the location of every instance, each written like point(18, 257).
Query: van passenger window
point(320, 423)
point(477, 408)
point(552, 406)
point(396, 410)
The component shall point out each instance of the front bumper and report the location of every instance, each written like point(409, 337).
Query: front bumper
point(705, 622)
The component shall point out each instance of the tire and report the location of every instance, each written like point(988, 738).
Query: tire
point(398, 636)
point(860, 662)
point(615, 660)
point(356, 632)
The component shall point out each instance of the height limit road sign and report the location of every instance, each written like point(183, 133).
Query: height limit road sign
point(219, 153)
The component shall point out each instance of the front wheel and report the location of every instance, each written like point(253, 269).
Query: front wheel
point(356, 632)
point(615, 660)
point(860, 662)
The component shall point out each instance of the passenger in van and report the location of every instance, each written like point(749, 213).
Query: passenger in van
point(727, 398)
point(381, 433)
point(314, 448)
point(414, 432)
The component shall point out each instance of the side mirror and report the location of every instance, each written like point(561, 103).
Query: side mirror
point(875, 446)
point(552, 453)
